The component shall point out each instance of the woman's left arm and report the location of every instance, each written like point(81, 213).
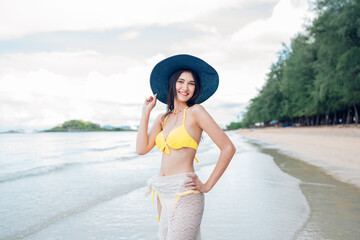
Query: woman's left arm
point(227, 148)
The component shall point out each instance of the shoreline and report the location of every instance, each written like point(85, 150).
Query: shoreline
point(335, 149)
point(330, 200)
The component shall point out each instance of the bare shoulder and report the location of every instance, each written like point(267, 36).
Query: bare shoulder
point(198, 110)
point(199, 113)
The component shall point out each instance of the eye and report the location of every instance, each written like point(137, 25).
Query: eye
point(180, 81)
point(192, 84)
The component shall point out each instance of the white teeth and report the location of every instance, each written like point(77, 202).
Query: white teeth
point(185, 94)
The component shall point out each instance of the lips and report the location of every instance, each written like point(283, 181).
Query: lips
point(183, 93)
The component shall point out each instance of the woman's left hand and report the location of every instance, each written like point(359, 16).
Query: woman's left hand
point(196, 184)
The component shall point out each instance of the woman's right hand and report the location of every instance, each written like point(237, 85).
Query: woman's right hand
point(150, 103)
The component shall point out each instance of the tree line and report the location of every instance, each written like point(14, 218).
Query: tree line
point(81, 126)
point(315, 80)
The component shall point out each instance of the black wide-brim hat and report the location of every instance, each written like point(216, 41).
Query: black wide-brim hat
point(159, 78)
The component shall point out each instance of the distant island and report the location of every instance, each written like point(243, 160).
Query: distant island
point(14, 131)
point(82, 126)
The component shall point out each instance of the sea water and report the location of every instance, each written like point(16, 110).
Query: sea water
point(91, 185)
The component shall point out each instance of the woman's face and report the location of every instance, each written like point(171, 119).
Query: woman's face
point(185, 87)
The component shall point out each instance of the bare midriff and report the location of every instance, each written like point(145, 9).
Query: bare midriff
point(179, 161)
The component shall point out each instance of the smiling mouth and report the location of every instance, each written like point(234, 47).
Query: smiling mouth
point(183, 94)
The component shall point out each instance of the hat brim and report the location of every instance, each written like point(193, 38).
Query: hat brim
point(159, 78)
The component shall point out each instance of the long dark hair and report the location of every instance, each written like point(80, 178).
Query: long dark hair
point(172, 89)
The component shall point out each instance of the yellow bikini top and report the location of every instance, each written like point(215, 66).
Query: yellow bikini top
point(177, 138)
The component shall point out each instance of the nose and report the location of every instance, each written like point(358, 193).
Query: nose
point(186, 86)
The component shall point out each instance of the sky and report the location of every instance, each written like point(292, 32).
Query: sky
point(91, 60)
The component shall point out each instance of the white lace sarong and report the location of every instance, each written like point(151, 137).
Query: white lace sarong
point(182, 209)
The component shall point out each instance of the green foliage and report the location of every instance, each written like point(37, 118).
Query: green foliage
point(348, 69)
point(234, 125)
point(80, 126)
point(297, 81)
point(319, 73)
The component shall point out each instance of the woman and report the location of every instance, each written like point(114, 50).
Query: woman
point(181, 82)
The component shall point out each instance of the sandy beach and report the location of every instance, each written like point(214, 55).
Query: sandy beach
point(335, 149)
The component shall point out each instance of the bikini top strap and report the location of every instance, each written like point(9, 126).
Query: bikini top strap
point(166, 119)
point(184, 115)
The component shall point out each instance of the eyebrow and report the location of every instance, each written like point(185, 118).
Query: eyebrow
point(184, 79)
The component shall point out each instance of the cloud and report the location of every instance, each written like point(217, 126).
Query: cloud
point(254, 37)
point(224, 111)
point(42, 89)
point(205, 28)
point(38, 99)
point(286, 20)
point(123, 86)
point(74, 63)
point(42, 99)
point(129, 35)
point(243, 57)
point(45, 111)
point(22, 17)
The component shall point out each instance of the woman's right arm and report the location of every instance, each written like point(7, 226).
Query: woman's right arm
point(146, 141)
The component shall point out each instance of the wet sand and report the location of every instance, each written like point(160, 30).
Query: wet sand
point(336, 150)
point(326, 161)
point(334, 205)
point(267, 204)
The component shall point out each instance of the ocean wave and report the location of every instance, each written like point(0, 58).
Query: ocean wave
point(62, 214)
point(110, 148)
point(38, 171)
point(103, 149)
point(35, 171)
point(126, 157)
